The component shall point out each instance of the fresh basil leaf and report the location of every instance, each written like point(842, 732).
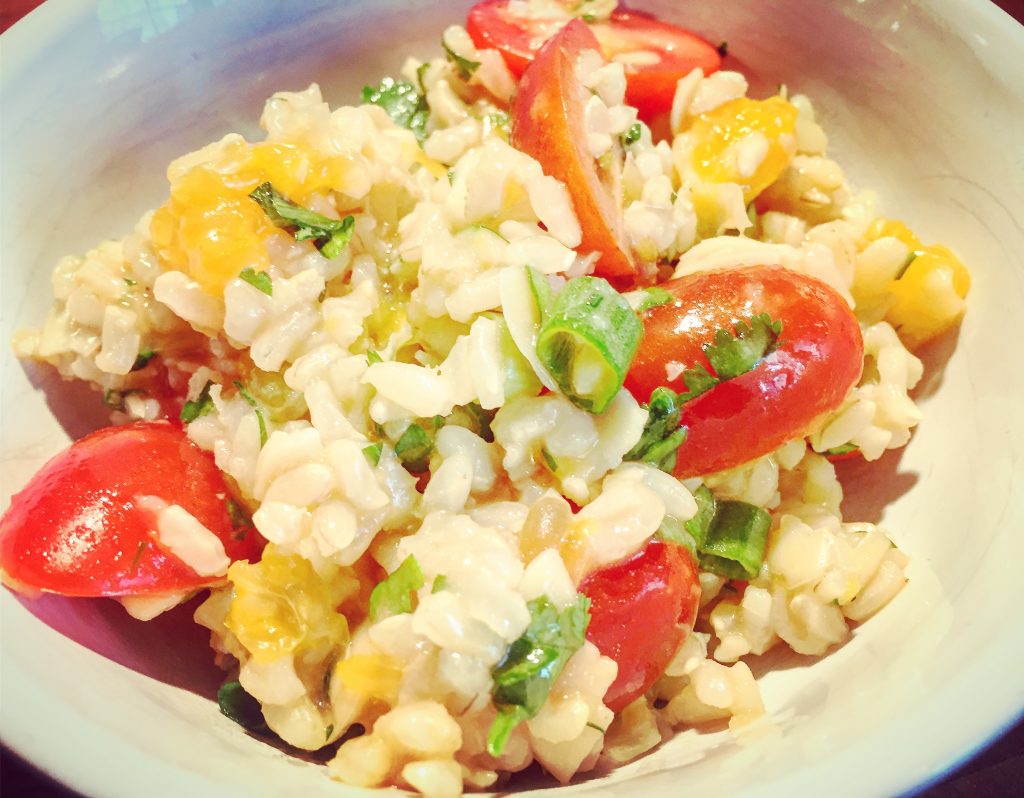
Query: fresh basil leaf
point(736, 541)
point(393, 595)
point(403, 103)
point(654, 297)
point(440, 583)
point(330, 236)
point(259, 280)
point(846, 448)
point(372, 357)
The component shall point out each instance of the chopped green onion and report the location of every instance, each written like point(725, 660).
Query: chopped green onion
point(329, 732)
point(403, 103)
point(532, 664)
point(700, 524)
point(259, 280)
point(259, 412)
point(373, 452)
point(414, 447)
point(202, 405)
point(549, 459)
point(372, 356)
point(440, 583)
point(393, 595)
point(588, 340)
point(540, 288)
point(632, 135)
point(329, 235)
point(735, 543)
point(662, 436)
point(846, 448)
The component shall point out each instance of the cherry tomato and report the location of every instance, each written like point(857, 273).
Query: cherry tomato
point(77, 530)
point(818, 359)
point(655, 54)
point(641, 610)
point(548, 124)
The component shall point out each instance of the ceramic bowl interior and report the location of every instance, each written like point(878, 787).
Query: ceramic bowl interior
point(922, 102)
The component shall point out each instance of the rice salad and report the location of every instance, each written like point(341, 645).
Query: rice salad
point(390, 327)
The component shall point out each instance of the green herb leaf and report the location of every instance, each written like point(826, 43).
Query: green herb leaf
point(393, 595)
point(404, 104)
point(202, 405)
point(846, 448)
point(532, 664)
point(595, 727)
point(588, 340)
point(241, 707)
point(662, 436)
point(329, 732)
point(735, 543)
point(414, 447)
point(256, 407)
point(464, 66)
point(143, 359)
point(372, 452)
point(632, 135)
point(549, 460)
point(239, 517)
point(330, 236)
point(259, 280)
point(733, 354)
point(440, 583)
point(372, 356)
point(700, 524)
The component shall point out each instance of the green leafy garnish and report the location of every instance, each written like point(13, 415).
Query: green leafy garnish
point(587, 339)
point(632, 135)
point(549, 460)
point(736, 540)
point(654, 297)
point(700, 524)
point(241, 707)
point(372, 356)
point(403, 103)
point(440, 583)
point(259, 280)
point(202, 405)
point(464, 66)
point(662, 436)
point(472, 417)
point(393, 595)
point(128, 281)
point(143, 359)
point(248, 397)
point(525, 675)
point(846, 448)
point(372, 452)
point(330, 236)
point(329, 732)
point(733, 353)
point(414, 447)
point(239, 517)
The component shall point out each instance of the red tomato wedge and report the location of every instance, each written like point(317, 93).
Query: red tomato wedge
point(548, 124)
point(641, 611)
point(654, 54)
point(818, 359)
point(76, 528)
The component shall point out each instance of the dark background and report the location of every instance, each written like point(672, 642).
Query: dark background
point(995, 773)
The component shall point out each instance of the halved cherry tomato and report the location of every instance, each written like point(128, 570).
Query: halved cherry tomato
point(655, 54)
point(548, 124)
point(819, 358)
point(77, 530)
point(641, 610)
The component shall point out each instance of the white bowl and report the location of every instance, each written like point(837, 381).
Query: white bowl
point(922, 101)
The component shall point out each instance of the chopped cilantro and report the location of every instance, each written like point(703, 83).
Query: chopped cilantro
point(523, 678)
point(464, 66)
point(330, 236)
point(846, 448)
point(403, 103)
point(202, 405)
point(143, 359)
point(259, 280)
point(632, 135)
point(393, 595)
point(662, 435)
point(372, 452)
point(328, 733)
point(130, 282)
point(248, 397)
point(414, 447)
point(241, 707)
point(733, 353)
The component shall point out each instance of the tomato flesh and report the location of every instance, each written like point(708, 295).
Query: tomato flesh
point(548, 124)
point(819, 358)
point(77, 530)
point(641, 611)
point(654, 54)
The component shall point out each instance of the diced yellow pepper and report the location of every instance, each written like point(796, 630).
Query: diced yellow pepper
point(372, 676)
point(882, 228)
point(281, 606)
point(928, 298)
point(722, 134)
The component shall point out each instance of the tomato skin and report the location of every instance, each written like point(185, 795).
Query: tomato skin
point(76, 529)
point(548, 124)
point(819, 358)
point(641, 611)
point(649, 87)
